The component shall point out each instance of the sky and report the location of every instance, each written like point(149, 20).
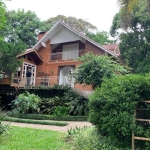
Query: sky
point(100, 13)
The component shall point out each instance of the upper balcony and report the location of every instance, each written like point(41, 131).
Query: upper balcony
point(66, 55)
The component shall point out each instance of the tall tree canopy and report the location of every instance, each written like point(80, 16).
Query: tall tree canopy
point(100, 37)
point(135, 42)
point(2, 14)
point(78, 24)
point(9, 49)
point(127, 8)
point(22, 25)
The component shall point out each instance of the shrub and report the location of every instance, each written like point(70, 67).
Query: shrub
point(112, 106)
point(52, 117)
point(60, 111)
point(87, 138)
point(3, 127)
point(26, 103)
point(76, 104)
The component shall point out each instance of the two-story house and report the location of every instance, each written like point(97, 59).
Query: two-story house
point(51, 59)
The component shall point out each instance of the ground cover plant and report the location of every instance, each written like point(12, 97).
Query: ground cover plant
point(59, 100)
point(87, 138)
point(112, 107)
point(26, 103)
point(33, 139)
point(3, 127)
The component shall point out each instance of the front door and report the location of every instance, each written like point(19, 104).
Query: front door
point(64, 76)
point(32, 67)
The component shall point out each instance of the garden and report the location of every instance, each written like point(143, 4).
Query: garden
point(110, 108)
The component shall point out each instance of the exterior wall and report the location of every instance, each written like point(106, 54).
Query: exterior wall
point(52, 68)
point(90, 47)
point(59, 48)
point(29, 61)
point(44, 52)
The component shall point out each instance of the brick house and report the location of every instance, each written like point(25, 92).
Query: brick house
point(51, 59)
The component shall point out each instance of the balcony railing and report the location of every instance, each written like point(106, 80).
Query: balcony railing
point(44, 81)
point(5, 78)
point(63, 56)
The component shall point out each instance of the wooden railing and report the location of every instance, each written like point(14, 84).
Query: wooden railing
point(5, 79)
point(140, 116)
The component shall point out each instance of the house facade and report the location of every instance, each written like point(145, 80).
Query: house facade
point(52, 58)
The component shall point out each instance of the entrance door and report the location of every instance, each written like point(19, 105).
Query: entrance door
point(32, 67)
point(64, 76)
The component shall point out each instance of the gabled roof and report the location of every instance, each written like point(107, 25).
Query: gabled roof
point(33, 53)
point(53, 32)
point(113, 48)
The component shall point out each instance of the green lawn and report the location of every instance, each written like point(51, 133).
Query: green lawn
point(33, 139)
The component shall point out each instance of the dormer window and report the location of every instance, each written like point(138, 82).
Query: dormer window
point(70, 51)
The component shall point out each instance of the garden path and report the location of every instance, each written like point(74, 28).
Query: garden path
point(71, 124)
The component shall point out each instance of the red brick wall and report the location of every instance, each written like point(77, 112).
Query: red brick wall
point(93, 48)
point(40, 35)
point(44, 52)
point(51, 68)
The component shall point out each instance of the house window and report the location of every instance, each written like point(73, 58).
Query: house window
point(70, 51)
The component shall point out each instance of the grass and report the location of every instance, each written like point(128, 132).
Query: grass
point(11, 119)
point(51, 117)
point(33, 139)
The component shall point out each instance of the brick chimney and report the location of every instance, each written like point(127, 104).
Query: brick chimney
point(41, 34)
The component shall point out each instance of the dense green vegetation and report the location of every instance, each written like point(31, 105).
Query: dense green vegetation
point(94, 69)
point(52, 117)
point(56, 100)
point(112, 107)
point(134, 42)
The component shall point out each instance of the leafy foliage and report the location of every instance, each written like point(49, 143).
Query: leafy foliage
point(2, 14)
point(100, 37)
point(3, 127)
point(135, 41)
point(8, 62)
point(60, 111)
point(87, 138)
point(52, 117)
point(78, 24)
point(60, 95)
point(26, 103)
point(19, 22)
point(112, 106)
point(95, 68)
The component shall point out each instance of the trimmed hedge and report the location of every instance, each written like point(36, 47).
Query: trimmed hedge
point(47, 92)
point(35, 121)
point(51, 117)
point(112, 106)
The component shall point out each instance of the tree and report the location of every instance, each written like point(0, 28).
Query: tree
point(100, 37)
point(135, 42)
point(8, 52)
point(127, 8)
point(22, 25)
point(8, 49)
point(94, 69)
point(2, 14)
point(78, 24)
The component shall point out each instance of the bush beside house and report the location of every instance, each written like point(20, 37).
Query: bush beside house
point(112, 106)
point(56, 100)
